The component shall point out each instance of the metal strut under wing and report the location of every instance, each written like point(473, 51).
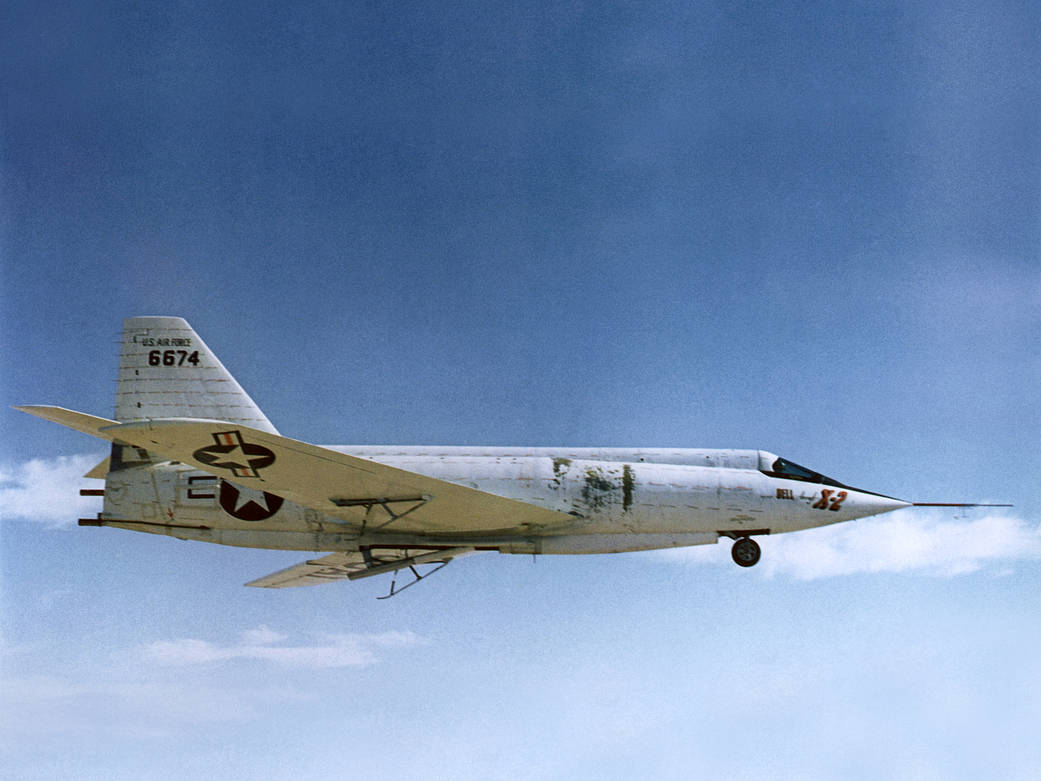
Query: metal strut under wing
point(365, 563)
point(441, 558)
point(415, 503)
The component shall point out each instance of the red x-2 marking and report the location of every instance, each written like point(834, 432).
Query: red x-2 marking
point(829, 502)
point(231, 452)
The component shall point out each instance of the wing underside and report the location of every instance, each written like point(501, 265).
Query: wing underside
point(359, 564)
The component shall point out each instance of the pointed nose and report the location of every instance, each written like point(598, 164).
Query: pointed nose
point(861, 504)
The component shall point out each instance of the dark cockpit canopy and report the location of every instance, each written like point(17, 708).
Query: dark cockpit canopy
point(782, 467)
point(775, 466)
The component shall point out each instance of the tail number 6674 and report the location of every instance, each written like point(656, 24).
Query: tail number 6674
point(173, 358)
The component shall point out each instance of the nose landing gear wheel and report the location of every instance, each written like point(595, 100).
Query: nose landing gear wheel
point(746, 552)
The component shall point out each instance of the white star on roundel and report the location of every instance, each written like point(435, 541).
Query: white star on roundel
point(247, 495)
point(248, 504)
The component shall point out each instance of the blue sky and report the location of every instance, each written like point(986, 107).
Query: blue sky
point(793, 226)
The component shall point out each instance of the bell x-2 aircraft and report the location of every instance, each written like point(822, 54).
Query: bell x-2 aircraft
point(194, 458)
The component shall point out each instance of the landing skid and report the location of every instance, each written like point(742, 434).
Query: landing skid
point(394, 591)
point(377, 566)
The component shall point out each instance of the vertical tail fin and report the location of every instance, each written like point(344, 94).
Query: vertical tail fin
point(167, 371)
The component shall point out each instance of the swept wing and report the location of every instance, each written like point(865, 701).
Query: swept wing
point(354, 490)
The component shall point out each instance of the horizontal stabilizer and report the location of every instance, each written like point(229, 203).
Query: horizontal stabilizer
point(100, 472)
point(80, 421)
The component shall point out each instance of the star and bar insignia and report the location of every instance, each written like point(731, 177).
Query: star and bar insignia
point(231, 452)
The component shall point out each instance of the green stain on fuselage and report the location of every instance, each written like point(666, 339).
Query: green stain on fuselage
point(627, 487)
point(560, 466)
point(596, 488)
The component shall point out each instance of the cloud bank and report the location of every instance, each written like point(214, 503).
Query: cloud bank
point(264, 644)
point(175, 689)
point(46, 490)
point(917, 541)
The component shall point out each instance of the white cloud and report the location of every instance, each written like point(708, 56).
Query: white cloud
point(143, 707)
point(46, 490)
point(262, 635)
point(262, 643)
point(905, 541)
point(175, 691)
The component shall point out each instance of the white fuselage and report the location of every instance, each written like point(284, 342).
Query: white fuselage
point(617, 500)
point(194, 457)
